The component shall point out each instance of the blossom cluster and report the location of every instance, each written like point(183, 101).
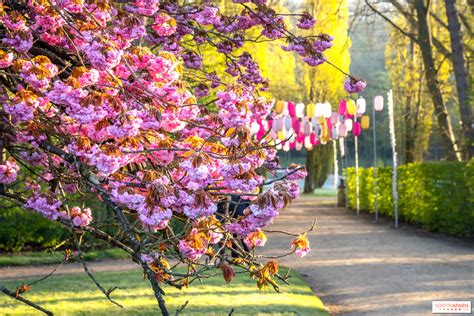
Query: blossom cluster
point(104, 98)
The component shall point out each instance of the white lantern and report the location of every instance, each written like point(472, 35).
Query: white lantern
point(254, 128)
point(285, 109)
point(319, 110)
point(278, 146)
point(348, 124)
point(361, 105)
point(286, 147)
point(299, 146)
point(378, 103)
point(307, 143)
point(327, 110)
point(300, 110)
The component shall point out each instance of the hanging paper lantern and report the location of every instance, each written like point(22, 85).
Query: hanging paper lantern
point(378, 103)
point(278, 146)
point(285, 108)
point(307, 143)
point(356, 129)
point(317, 130)
point(300, 110)
point(313, 139)
point(341, 147)
point(288, 122)
point(361, 105)
point(329, 123)
point(314, 121)
point(342, 107)
point(342, 130)
point(300, 137)
point(296, 124)
point(254, 128)
point(279, 107)
point(279, 123)
point(299, 146)
point(286, 146)
point(292, 145)
point(327, 110)
point(275, 124)
point(334, 133)
point(310, 110)
point(261, 131)
point(334, 117)
point(365, 122)
point(348, 124)
point(273, 134)
point(307, 128)
point(281, 135)
point(291, 109)
point(319, 110)
point(351, 107)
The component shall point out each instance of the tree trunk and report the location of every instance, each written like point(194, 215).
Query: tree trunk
point(441, 112)
point(310, 168)
point(462, 80)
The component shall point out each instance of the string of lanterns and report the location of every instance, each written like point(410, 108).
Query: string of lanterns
point(297, 125)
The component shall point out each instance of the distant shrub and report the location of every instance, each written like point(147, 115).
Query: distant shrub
point(439, 196)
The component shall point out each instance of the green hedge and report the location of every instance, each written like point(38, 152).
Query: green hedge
point(439, 196)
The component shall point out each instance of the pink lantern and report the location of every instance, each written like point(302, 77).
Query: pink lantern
point(296, 124)
point(378, 103)
point(342, 107)
point(356, 129)
point(300, 137)
point(342, 130)
point(329, 123)
point(292, 145)
point(261, 131)
point(334, 118)
point(313, 139)
point(291, 109)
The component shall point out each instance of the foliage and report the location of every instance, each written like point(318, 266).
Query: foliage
point(70, 293)
point(439, 196)
point(122, 106)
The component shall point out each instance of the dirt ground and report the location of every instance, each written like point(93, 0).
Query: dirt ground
point(356, 267)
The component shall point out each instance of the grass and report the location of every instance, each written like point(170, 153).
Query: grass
point(77, 295)
point(36, 258)
point(321, 192)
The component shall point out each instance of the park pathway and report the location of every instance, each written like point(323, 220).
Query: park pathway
point(360, 268)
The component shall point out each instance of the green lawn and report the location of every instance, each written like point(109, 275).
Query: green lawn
point(35, 258)
point(77, 295)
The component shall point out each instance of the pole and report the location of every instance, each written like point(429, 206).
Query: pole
point(336, 167)
point(394, 153)
point(357, 171)
point(347, 177)
point(376, 202)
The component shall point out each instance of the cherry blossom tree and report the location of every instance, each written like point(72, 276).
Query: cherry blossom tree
point(112, 100)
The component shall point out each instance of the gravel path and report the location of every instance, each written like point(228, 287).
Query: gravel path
point(356, 267)
point(360, 268)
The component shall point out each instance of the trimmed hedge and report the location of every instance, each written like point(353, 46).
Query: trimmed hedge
point(439, 196)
